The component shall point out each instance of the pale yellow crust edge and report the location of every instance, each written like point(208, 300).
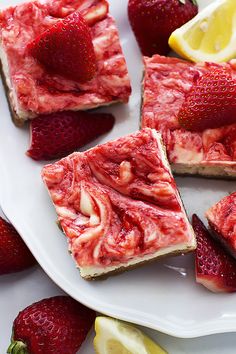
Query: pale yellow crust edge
point(213, 171)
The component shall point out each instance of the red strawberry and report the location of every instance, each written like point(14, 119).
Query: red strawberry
point(66, 49)
point(215, 269)
point(153, 21)
point(14, 255)
point(211, 102)
point(230, 142)
point(57, 325)
point(58, 134)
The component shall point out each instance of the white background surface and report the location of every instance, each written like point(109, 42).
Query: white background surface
point(172, 301)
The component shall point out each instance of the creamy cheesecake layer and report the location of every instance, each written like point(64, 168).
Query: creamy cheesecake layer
point(118, 204)
point(166, 84)
point(34, 91)
point(222, 220)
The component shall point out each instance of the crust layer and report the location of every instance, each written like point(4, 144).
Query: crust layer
point(221, 172)
point(123, 268)
point(19, 122)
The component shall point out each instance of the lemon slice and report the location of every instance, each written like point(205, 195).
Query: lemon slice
point(117, 337)
point(209, 36)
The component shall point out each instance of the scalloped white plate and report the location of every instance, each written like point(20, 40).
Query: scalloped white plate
point(162, 296)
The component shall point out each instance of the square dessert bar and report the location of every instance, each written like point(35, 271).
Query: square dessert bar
point(166, 84)
point(222, 220)
point(31, 90)
point(118, 204)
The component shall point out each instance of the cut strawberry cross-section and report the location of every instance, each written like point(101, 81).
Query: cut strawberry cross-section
point(118, 204)
point(215, 268)
point(222, 220)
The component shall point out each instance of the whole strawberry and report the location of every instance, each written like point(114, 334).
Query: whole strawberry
point(58, 134)
point(14, 255)
point(153, 21)
point(66, 49)
point(57, 325)
point(211, 102)
point(215, 268)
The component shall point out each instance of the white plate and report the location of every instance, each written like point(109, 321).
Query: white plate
point(162, 296)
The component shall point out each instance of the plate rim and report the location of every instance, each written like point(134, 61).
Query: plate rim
point(193, 331)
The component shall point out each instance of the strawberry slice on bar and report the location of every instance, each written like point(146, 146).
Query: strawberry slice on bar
point(222, 221)
point(215, 268)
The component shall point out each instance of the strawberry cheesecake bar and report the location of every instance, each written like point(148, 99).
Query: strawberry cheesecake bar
point(167, 83)
point(118, 204)
point(222, 221)
point(31, 88)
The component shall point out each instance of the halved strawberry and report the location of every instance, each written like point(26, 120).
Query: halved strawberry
point(215, 268)
point(93, 12)
point(58, 134)
point(211, 102)
point(66, 49)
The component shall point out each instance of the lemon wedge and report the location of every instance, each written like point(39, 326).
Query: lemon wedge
point(117, 337)
point(209, 36)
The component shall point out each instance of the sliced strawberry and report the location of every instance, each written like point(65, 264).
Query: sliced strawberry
point(153, 21)
point(66, 49)
point(211, 102)
point(58, 134)
point(14, 255)
point(215, 268)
